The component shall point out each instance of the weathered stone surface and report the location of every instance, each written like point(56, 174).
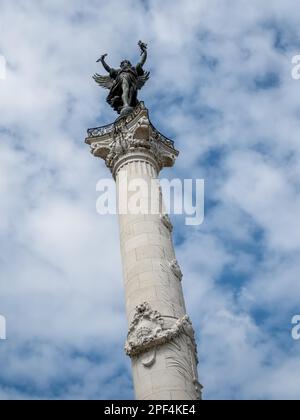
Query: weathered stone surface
point(161, 339)
point(133, 140)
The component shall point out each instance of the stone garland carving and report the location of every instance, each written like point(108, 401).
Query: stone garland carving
point(176, 269)
point(146, 333)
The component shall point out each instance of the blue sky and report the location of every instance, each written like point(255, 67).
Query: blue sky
point(221, 88)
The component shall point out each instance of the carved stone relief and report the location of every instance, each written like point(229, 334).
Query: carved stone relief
point(165, 218)
point(131, 135)
point(147, 334)
point(176, 269)
point(147, 331)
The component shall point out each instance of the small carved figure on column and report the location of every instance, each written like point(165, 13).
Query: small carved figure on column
point(124, 83)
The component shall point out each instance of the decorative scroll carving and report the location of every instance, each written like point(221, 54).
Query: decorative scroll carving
point(100, 131)
point(165, 218)
point(131, 136)
point(146, 326)
point(147, 334)
point(176, 269)
point(147, 331)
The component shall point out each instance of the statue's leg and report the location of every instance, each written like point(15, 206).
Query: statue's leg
point(126, 91)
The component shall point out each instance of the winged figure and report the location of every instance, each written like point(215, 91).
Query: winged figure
point(124, 83)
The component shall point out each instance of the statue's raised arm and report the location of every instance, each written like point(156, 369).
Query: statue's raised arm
point(144, 54)
point(104, 64)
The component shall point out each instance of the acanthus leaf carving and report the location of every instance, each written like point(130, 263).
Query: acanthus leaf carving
point(130, 136)
point(185, 362)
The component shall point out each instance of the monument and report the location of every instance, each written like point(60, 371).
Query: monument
point(161, 341)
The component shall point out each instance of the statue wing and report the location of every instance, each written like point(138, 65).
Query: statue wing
point(143, 79)
point(104, 81)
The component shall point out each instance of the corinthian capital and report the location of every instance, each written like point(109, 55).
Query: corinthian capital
point(130, 138)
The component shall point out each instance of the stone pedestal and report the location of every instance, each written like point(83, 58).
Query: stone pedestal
point(161, 340)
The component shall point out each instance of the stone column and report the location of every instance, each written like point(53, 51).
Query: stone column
point(161, 341)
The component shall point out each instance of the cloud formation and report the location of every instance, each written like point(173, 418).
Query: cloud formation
point(221, 87)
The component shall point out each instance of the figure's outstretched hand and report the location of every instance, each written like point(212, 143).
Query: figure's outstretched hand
point(143, 47)
point(102, 58)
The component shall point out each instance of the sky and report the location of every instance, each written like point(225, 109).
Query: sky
point(221, 88)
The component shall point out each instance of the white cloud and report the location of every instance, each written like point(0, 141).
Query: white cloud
point(61, 281)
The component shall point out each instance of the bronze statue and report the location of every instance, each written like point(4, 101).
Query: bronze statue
point(124, 83)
